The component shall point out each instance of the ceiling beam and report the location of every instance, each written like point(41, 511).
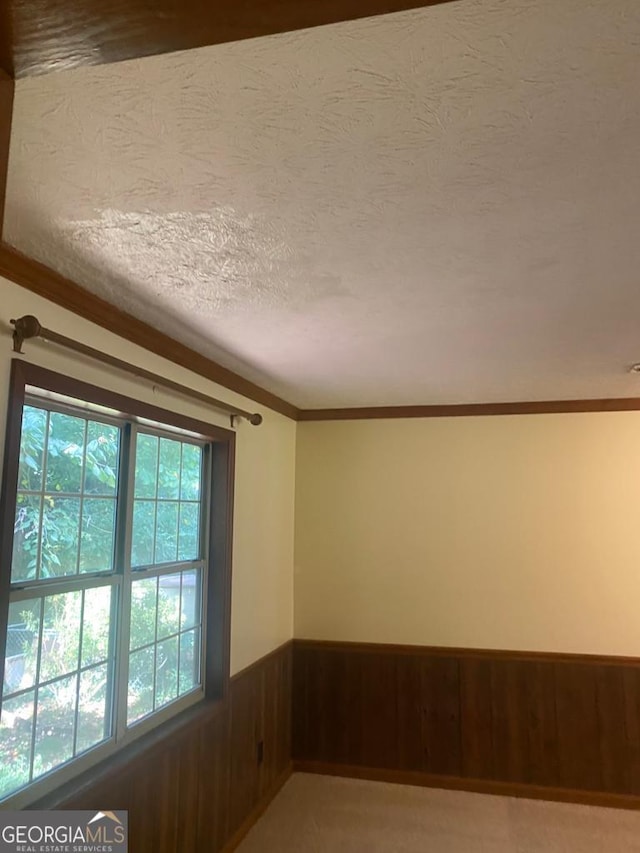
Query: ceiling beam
point(6, 112)
point(56, 34)
point(44, 281)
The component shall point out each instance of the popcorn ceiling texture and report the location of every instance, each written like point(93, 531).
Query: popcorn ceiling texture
point(434, 206)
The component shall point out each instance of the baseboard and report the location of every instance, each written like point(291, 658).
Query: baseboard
point(255, 815)
point(478, 786)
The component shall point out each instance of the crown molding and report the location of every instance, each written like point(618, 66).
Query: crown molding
point(466, 410)
point(40, 279)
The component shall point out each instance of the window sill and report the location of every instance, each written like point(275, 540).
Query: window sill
point(64, 796)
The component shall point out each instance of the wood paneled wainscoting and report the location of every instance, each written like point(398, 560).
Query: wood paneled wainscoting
point(537, 725)
point(202, 781)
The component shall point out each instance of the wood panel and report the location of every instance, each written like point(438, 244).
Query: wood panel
point(615, 743)
point(214, 793)
point(578, 728)
point(631, 690)
point(476, 719)
point(540, 719)
point(567, 724)
point(440, 697)
point(6, 113)
point(412, 716)
point(55, 34)
point(199, 787)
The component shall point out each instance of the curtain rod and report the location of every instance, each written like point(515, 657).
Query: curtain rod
point(29, 326)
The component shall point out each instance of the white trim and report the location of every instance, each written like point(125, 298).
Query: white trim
point(120, 580)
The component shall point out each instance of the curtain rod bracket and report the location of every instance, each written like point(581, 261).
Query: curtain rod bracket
point(24, 328)
point(29, 326)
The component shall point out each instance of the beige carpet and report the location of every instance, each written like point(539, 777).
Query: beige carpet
point(321, 814)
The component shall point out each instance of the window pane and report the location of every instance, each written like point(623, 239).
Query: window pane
point(189, 541)
point(143, 612)
point(21, 656)
point(58, 533)
point(190, 605)
point(60, 537)
point(26, 538)
point(101, 465)
point(169, 469)
point(34, 423)
point(60, 635)
point(189, 660)
point(191, 472)
point(16, 732)
point(96, 625)
point(166, 671)
point(168, 605)
point(65, 453)
point(146, 466)
point(167, 532)
point(142, 535)
point(141, 676)
point(98, 534)
point(55, 724)
point(59, 691)
point(93, 716)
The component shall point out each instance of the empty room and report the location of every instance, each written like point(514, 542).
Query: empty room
point(320, 417)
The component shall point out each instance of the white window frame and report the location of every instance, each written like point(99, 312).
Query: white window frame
point(214, 668)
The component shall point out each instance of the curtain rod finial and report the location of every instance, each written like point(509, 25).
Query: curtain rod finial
point(255, 419)
point(24, 328)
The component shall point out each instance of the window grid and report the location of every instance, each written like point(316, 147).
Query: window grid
point(115, 724)
point(45, 465)
point(35, 692)
point(157, 496)
point(47, 683)
point(41, 684)
point(83, 469)
point(132, 574)
point(80, 640)
point(185, 629)
point(47, 493)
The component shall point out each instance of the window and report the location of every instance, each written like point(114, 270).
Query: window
point(113, 602)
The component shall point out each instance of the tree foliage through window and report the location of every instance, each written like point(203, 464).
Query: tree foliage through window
point(59, 697)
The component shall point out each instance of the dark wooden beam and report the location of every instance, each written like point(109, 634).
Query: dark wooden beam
point(6, 111)
point(44, 281)
point(467, 410)
point(38, 36)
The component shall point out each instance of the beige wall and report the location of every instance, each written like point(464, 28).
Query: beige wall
point(498, 532)
point(506, 532)
point(262, 610)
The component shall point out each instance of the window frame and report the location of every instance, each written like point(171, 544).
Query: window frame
point(217, 522)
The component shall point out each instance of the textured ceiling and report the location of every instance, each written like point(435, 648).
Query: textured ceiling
point(429, 207)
